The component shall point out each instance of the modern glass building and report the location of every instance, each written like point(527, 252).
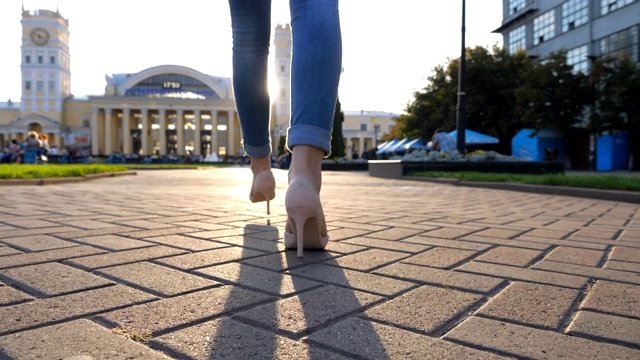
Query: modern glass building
point(586, 29)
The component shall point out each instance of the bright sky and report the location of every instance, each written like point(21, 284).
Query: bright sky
point(389, 47)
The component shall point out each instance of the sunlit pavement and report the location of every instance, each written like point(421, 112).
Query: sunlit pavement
point(179, 264)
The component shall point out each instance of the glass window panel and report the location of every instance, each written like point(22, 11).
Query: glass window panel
point(574, 14)
point(622, 43)
point(172, 86)
point(607, 6)
point(516, 5)
point(544, 27)
point(579, 59)
point(517, 39)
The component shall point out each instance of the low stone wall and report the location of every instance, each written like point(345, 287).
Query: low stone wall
point(345, 166)
point(396, 169)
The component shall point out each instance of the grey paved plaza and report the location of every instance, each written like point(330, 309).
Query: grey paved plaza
point(179, 264)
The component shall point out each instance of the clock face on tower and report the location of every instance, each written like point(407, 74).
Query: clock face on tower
point(39, 36)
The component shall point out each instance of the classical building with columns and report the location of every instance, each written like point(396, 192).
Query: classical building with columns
point(165, 110)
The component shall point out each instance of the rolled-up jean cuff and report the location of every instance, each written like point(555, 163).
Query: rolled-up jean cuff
point(309, 135)
point(258, 151)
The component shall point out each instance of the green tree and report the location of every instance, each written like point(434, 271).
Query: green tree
point(552, 95)
point(337, 141)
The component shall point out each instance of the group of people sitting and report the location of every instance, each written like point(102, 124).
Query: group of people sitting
point(33, 150)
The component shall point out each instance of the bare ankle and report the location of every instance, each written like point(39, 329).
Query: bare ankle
point(260, 164)
point(307, 161)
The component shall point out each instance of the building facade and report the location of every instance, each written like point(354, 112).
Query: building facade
point(586, 29)
point(163, 110)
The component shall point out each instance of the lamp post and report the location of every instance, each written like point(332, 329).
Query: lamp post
point(460, 113)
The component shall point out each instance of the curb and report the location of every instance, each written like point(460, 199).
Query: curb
point(63, 180)
point(611, 195)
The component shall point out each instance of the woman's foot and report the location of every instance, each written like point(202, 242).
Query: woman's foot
point(306, 227)
point(263, 187)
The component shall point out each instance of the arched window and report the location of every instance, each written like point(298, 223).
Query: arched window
point(172, 86)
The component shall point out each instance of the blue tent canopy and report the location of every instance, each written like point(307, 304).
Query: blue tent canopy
point(383, 147)
point(396, 146)
point(417, 144)
point(475, 138)
point(528, 146)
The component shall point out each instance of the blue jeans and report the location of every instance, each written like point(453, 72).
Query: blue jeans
point(315, 72)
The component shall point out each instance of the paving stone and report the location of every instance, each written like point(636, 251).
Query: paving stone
point(449, 233)
point(273, 283)
point(159, 316)
point(141, 234)
point(210, 257)
point(343, 247)
point(47, 311)
point(623, 266)
point(472, 239)
point(621, 253)
point(526, 342)
point(593, 272)
point(387, 245)
point(308, 311)
point(32, 223)
point(576, 256)
point(113, 242)
point(550, 233)
point(75, 340)
point(367, 260)
point(124, 257)
point(499, 233)
point(425, 309)
point(346, 233)
point(440, 257)
point(529, 275)
point(229, 339)
point(157, 279)
point(37, 243)
point(631, 235)
point(571, 243)
point(11, 296)
point(52, 279)
point(595, 233)
point(507, 255)
point(395, 233)
point(185, 242)
point(288, 260)
point(532, 304)
point(145, 224)
point(369, 340)
point(603, 326)
point(117, 229)
point(87, 223)
point(354, 279)
point(454, 244)
point(5, 250)
point(234, 231)
point(34, 232)
point(266, 246)
point(446, 278)
point(201, 225)
point(613, 298)
point(47, 256)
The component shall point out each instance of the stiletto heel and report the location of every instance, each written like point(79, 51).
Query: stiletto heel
point(306, 218)
point(263, 188)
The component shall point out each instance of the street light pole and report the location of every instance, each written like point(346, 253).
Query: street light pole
point(462, 70)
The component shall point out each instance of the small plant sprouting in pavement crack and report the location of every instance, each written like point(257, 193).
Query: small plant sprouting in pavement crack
point(132, 335)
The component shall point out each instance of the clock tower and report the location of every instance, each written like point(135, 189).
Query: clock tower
point(46, 75)
point(282, 100)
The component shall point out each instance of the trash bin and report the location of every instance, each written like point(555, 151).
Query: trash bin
point(612, 152)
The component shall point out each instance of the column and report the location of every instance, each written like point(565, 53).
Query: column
point(144, 135)
point(108, 132)
point(162, 116)
point(197, 138)
point(127, 144)
point(231, 134)
point(57, 140)
point(180, 131)
point(214, 132)
point(361, 146)
point(95, 142)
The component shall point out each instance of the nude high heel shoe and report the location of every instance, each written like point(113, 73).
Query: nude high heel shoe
point(263, 188)
point(304, 210)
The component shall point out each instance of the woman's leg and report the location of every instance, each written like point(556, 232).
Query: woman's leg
point(251, 28)
point(315, 72)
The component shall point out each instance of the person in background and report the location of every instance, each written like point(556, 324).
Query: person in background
point(443, 142)
point(315, 73)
